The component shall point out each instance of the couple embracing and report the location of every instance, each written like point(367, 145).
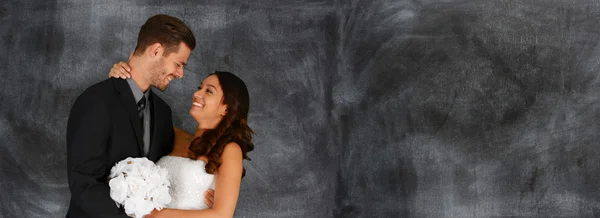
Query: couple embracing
point(121, 117)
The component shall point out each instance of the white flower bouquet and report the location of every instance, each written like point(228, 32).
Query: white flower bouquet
point(139, 185)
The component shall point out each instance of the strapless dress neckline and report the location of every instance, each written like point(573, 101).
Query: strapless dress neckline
point(189, 181)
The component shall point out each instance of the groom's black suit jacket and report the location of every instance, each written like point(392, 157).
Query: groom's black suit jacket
point(104, 128)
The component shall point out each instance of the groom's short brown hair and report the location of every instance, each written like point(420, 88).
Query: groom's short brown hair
point(167, 30)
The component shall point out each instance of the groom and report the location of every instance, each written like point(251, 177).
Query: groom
point(115, 119)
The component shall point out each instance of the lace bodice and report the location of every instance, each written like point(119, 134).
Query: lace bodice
point(188, 180)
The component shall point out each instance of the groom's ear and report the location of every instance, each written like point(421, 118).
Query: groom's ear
point(155, 49)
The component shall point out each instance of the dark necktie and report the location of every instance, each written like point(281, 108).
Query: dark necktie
point(141, 105)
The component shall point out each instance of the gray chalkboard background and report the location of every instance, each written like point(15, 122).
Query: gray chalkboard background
point(455, 108)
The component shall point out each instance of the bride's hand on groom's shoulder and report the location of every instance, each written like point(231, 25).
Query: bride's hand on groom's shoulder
point(120, 70)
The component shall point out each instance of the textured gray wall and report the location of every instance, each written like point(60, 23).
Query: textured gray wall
point(361, 108)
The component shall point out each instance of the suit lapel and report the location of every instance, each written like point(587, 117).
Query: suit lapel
point(128, 101)
point(156, 125)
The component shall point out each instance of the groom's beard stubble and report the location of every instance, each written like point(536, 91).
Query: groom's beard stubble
point(158, 75)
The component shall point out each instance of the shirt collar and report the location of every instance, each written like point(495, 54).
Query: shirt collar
point(135, 89)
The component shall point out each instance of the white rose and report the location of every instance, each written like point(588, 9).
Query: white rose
point(115, 170)
point(118, 189)
point(137, 186)
point(154, 180)
point(160, 196)
point(138, 206)
point(144, 162)
point(147, 172)
point(134, 170)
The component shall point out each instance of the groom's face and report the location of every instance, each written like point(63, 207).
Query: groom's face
point(167, 68)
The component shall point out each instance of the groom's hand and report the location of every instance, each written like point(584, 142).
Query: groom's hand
point(209, 197)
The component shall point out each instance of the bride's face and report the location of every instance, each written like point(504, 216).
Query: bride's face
point(207, 102)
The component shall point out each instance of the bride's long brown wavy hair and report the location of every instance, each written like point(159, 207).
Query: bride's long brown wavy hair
point(232, 128)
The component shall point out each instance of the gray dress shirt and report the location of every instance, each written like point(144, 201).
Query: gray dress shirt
point(137, 95)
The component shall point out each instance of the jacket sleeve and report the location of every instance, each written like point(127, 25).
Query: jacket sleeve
point(88, 134)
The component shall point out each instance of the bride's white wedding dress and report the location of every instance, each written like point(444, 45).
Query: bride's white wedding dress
point(188, 181)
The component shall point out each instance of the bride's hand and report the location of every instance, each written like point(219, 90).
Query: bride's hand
point(209, 197)
point(120, 70)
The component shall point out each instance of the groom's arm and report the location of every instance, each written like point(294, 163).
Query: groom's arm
point(88, 132)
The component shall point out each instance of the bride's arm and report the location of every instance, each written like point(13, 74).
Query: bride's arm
point(227, 188)
point(182, 135)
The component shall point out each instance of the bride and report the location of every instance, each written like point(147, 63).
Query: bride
point(212, 157)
